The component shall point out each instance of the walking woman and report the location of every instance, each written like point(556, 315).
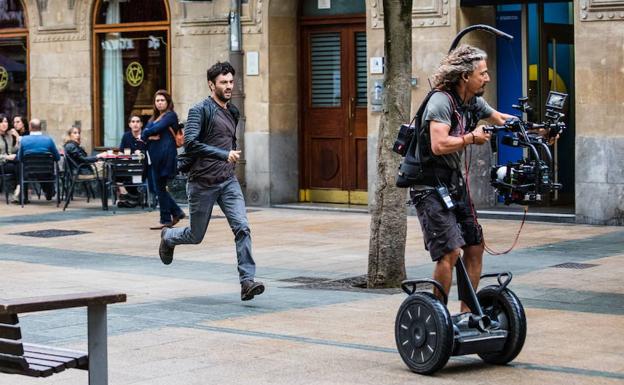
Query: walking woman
point(162, 153)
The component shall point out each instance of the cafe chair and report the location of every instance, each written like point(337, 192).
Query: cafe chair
point(74, 175)
point(127, 172)
point(6, 176)
point(39, 168)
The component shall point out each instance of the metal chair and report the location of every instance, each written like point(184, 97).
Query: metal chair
point(129, 173)
point(72, 176)
point(6, 176)
point(39, 168)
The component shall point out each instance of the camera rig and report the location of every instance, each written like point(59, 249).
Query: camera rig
point(528, 180)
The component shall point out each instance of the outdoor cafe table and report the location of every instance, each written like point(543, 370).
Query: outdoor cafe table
point(108, 176)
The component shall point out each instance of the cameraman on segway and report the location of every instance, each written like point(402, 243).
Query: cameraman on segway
point(445, 210)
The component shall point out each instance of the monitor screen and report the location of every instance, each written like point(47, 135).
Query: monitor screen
point(556, 100)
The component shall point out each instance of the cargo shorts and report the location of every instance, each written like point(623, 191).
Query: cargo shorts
point(445, 230)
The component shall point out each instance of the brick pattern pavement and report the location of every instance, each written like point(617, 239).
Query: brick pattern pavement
point(185, 324)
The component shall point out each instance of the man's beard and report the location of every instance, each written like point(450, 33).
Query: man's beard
point(221, 96)
point(480, 92)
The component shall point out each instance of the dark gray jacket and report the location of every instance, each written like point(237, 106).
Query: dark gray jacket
point(198, 126)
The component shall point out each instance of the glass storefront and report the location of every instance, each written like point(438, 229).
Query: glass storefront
point(132, 63)
point(133, 67)
point(13, 76)
point(13, 59)
point(11, 14)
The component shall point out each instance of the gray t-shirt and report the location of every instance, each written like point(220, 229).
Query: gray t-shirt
point(440, 109)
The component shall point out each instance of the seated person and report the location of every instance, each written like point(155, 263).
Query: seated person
point(132, 138)
point(34, 144)
point(9, 142)
point(19, 123)
point(78, 156)
point(132, 143)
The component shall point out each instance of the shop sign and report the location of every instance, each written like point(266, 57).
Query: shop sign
point(134, 74)
point(4, 78)
point(117, 44)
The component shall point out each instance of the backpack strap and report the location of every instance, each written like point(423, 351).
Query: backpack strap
point(456, 114)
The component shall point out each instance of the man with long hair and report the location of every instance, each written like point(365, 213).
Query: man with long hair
point(210, 144)
point(445, 209)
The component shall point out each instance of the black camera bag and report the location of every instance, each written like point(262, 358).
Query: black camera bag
point(413, 167)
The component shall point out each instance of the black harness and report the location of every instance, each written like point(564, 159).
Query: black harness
point(419, 167)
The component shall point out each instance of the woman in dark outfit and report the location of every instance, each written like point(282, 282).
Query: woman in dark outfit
point(161, 149)
point(9, 142)
point(78, 155)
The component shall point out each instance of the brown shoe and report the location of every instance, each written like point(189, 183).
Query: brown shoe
point(249, 289)
point(161, 226)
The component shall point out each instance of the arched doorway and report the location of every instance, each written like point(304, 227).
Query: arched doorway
point(14, 85)
point(132, 56)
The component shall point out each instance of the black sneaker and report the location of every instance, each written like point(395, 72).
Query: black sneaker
point(165, 251)
point(128, 197)
point(249, 289)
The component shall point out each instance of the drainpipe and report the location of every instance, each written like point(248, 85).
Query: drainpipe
point(238, 93)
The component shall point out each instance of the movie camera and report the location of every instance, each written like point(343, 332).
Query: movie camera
point(530, 179)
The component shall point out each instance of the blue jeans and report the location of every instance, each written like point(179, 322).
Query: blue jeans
point(201, 201)
point(168, 206)
point(151, 185)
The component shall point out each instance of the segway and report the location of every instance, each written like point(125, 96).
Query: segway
point(427, 335)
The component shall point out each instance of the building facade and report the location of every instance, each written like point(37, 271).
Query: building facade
point(313, 82)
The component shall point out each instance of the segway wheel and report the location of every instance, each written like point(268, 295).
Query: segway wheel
point(505, 308)
point(424, 333)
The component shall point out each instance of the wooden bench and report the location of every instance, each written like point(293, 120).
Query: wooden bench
point(33, 360)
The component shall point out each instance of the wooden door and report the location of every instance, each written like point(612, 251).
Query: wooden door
point(334, 113)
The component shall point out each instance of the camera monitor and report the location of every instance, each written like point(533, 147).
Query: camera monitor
point(556, 100)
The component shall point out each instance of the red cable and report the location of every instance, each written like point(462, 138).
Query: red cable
point(474, 214)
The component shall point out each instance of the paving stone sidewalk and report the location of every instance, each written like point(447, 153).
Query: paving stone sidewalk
point(185, 323)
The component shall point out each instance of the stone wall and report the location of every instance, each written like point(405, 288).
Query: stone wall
point(283, 147)
point(599, 62)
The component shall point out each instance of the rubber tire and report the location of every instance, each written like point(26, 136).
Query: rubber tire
point(409, 323)
point(504, 307)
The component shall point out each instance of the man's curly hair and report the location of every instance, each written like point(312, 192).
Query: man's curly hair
point(462, 60)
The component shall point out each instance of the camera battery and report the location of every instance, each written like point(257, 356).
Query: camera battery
point(445, 196)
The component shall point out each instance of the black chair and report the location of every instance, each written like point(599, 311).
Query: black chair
point(129, 173)
point(39, 168)
point(74, 174)
point(6, 176)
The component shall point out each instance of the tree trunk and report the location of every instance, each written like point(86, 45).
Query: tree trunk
point(386, 256)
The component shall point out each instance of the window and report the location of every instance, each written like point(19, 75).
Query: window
point(132, 63)
point(13, 59)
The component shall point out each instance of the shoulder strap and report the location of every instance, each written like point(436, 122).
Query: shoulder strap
point(423, 105)
point(416, 122)
point(456, 117)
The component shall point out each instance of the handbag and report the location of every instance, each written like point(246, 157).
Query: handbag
point(178, 137)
